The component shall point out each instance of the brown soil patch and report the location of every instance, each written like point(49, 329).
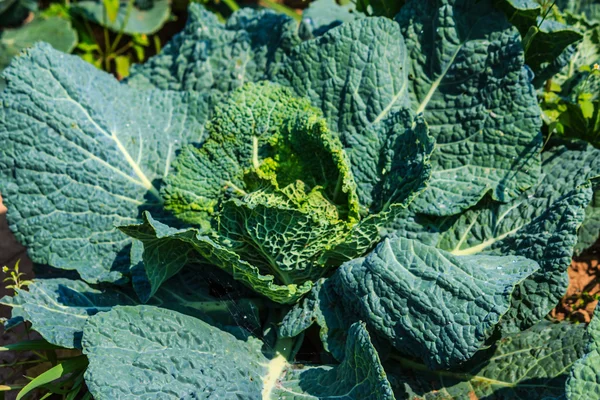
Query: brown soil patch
point(579, 302)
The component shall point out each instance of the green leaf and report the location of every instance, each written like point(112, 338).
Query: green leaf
point(320, 306)
point(273, 187)
point(58, 308)
point(532, 364)
point(544, 40)
point(550, 71)
point(123, 63)
point(549, 239)
point(100, 151)
point(28, 345)
point(467, 76)
point(125, 18)
point(444, 321)
point(589, 8)
point(56, 31)
point(551, 40)
point(426, 302)
point(567, 167)
point(541, 225)
point(356, 74)
point(260, 130)
point(582, 120)
point(573, 78)
point(322, 15)
point(111, 7)
point(211, 55)
point(167, 250)
point(358, 376)
point(66, 367)
point(521, 13)
point(385, 8)
point(584, 378)
point(589, 232)
point(176, 355)
point(15, 12)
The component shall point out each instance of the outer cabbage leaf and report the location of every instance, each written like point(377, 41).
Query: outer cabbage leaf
point(177, 355)
point(405, 168)
point(427, 302)
point(590, 229)
point(54, 30)
point(210, 55)
point(58, 308)
point(359, 376)
point(82, 153)
point(584, 379)
point(356, 73)
point(467, 76)
point(567, 167)
point(318, 307)
point(167, 250)
point(541, 225)
point(546, 234)
point(532, 364)
point(129, 19)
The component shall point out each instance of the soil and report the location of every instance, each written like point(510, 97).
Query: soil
point(10, 252)
point(579, 302)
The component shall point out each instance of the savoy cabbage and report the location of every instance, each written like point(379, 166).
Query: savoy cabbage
point(381, 178)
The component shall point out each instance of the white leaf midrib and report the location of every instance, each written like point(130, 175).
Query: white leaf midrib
point(143, 179)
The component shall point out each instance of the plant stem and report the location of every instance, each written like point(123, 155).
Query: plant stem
point(547, 12)
point(233, 6)
point(123, 25)
point(120, 51)
point(22, 363)
point(283, 350)
point(107, 50)
point(282, 9)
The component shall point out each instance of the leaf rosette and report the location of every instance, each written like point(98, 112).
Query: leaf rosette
point(270, 196)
